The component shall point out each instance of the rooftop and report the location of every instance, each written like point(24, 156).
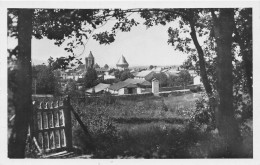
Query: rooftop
point(137, 81)
point(90, 55)
point(122, 62)
point(117, 86)
point(144, 73)
point(98, 88)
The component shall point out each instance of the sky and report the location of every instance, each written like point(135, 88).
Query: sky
point(140, 46)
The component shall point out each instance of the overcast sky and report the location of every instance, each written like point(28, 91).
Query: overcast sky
point(140, 46)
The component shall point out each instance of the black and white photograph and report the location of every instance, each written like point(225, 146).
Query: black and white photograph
point(138, 81)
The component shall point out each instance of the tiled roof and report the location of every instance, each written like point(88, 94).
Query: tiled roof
point(129, 83)
point(117, 86)
point(137, 81)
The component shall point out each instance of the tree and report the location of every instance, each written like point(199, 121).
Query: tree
point(162, 78)
point(106, 66)
point(184, 78)
point(151, 67)
point(71, 87)
point(23, 91)
point(125, 75)
point(28, 22)
point(173, 81)
point(243, 36)
point(46, 82)
point(122, 75)
point(90, 78)
point(223, 30)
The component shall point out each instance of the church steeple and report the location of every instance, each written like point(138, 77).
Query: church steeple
point(122, 63)
point(90, 60)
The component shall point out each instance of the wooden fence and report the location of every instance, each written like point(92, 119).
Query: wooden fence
point(51, 124)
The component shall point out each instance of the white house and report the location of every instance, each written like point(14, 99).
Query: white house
point(196, 77)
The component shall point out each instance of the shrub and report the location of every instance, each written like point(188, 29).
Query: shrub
point(204, 114)
point(100, 127)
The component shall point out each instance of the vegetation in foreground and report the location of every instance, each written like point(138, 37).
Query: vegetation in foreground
point(144, 132)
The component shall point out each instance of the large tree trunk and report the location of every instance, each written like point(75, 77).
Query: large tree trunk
point(227, 125)
point(22, 95)
point(203, 72)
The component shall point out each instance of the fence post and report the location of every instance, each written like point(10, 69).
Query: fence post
point(68, 127)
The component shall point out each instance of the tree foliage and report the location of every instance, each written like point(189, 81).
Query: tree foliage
point(184, 78)
point(106, 66)
point(46, 82)
point(123, 74)
point(90, 78)
point(162, 79)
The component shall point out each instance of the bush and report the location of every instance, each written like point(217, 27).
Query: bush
point(204, 114)
point(100, 127)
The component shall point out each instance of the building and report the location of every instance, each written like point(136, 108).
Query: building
point(196, 77)
point(146, 75)
point(90, 60)
point(108, 76)
point(122, 63)
point(130, 86)
point(122, 88)
point(143, 86)
point(98, 89)
point(155, 87)
point(157, 69)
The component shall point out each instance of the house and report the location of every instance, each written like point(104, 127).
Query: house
point(122, 88)
point(130, 86)
point(146, 75)
point(101, 70)
point(157, 69)
point(109, 76)
point(134, 72)
point(196, 77)
point(142, 85)
point(98, 89)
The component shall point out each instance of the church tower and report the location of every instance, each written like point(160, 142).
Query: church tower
point(90, 60)
point(122, 63)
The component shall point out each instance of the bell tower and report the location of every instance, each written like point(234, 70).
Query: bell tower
point(90, 60)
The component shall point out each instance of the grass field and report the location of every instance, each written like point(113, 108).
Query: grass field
point(151, 127)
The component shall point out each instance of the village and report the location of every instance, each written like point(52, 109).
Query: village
point(126, 83)
point(138, 81)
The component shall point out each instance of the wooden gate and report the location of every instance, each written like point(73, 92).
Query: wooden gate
point(51, 124)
